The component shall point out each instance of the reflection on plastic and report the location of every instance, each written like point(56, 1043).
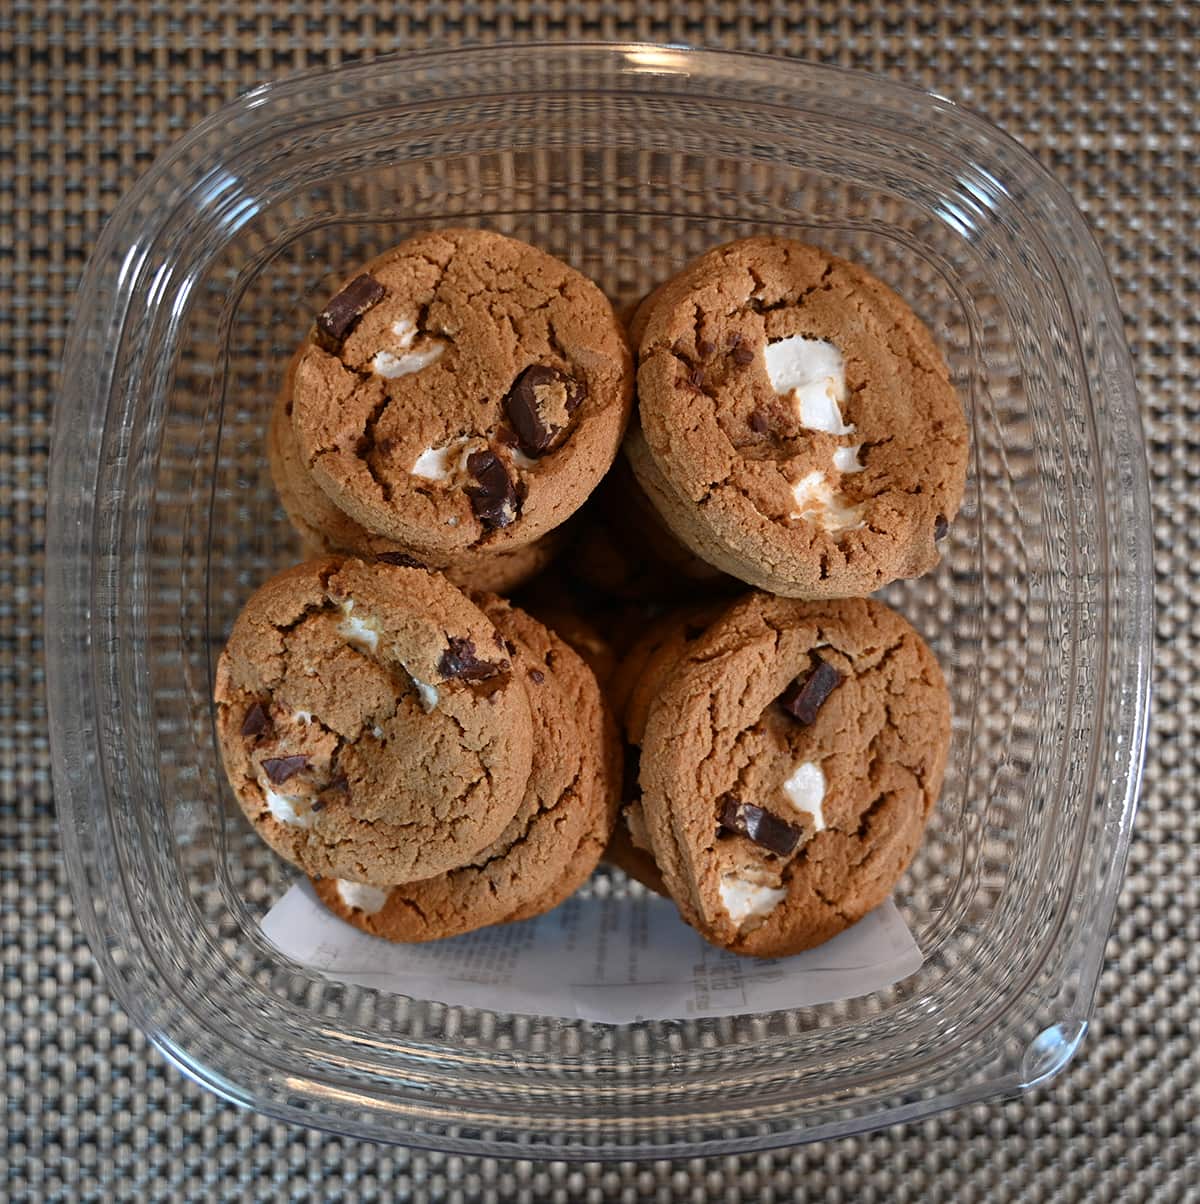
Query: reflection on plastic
point(659, 59)
point(610, 960)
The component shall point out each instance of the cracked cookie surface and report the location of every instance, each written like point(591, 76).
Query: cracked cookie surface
point(464, 390)
point(790, 760)
point(554, 841)
point(371, 722)
point(325, 530)
point(798, 426)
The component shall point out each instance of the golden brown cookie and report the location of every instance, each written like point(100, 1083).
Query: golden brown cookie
point(633, 688)
point(371, 722)
point(798, 427)
point(624, 549)
point(634, 860)
point(325, 530)
point(645, 667)
point(462, 391)
point(789, 763)
point(567, 622)
point(553, 842)
point(636, 319)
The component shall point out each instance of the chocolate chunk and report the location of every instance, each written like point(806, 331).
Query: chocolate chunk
point(403, 559)
point(805, 696)
point(760, 826)
point(494, 499)
point(743, 354)
point(537, 676)
point(759, 422)
point(257, 720)
point(696, 378)
point(705, 347)
point(941, 527)
point(338, 318)
point(539, 404)
point(459, 660)
point(339, 784)
point(279, 769)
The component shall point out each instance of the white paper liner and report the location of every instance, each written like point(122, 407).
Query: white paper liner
point(610, 960)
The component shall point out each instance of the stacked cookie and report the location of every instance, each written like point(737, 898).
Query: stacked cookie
point(437, 759)
point(456, 400)
point(798, 430)
point(790, 755)
point(434, 763)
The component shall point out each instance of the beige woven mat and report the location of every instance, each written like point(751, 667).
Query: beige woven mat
point(89, 93)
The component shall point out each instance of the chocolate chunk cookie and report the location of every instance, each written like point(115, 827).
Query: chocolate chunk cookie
point(462, 391)
point(635, 685)
point(799, 429)
point(634, 860)
point(651, 659)
point(372, 724)
point(790, 760)
point(324, 529)
point(553, 842)
point(624, 548)
point(569, 625)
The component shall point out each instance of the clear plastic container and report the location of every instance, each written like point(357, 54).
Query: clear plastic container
point(626, 160)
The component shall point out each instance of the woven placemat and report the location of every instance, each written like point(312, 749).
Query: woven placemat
point(89, 93)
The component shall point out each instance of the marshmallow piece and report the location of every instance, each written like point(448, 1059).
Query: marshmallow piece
point(743, 898)
point(445, 462)
point(390, 366)
point(434, 463)
point(817, 502)
point(405, 360)
point(426, 693)
point(405, 331)
point(357, 632)
point(813, 373)
point(367, 899)
point(283, 808)
point(845, 459)
point(805, 790)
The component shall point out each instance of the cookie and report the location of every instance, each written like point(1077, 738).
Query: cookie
point(371, 721)
point(624, 548)
point(639, 314)
point(644, 668)
point(462, 391)
point(798, 427)
point(634, 686)
point(324, 529)
point(789, 763)
point(558, 610)
point(633, 860)
point(553, 842)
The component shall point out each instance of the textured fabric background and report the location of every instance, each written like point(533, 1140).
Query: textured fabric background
point(1107, 98)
